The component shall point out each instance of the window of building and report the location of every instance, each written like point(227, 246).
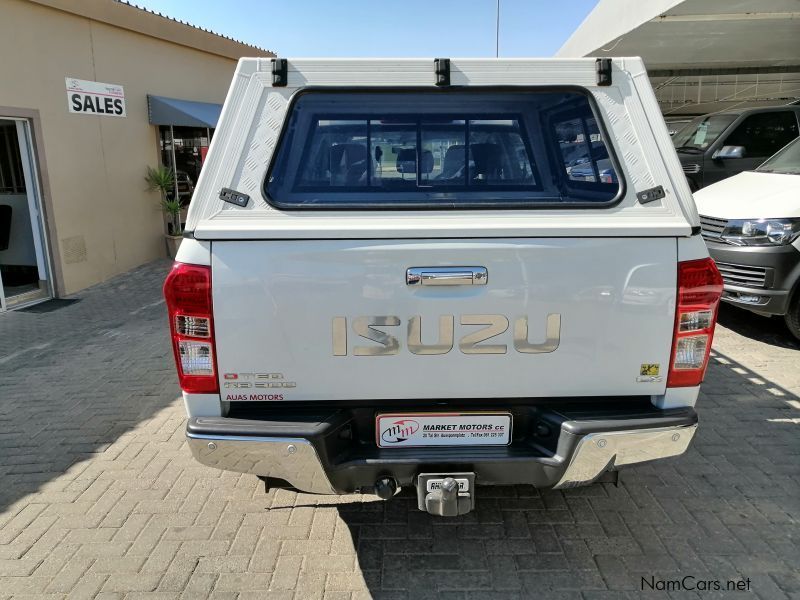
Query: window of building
point(184, 150)
point(12, 179)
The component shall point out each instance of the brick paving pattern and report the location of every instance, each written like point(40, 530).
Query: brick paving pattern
point(100, 497)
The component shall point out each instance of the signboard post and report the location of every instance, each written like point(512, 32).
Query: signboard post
point(95, 98)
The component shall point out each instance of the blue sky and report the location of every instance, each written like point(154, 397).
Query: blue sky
point(408, 28)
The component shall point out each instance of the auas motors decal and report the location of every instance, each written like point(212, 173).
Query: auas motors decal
point(399, 431)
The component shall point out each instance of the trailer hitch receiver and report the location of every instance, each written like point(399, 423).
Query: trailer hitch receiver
point(446, 494)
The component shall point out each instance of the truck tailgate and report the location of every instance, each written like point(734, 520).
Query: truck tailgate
point(289, 318)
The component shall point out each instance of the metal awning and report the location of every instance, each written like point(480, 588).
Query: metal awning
point(702, 56)
point(182, 113)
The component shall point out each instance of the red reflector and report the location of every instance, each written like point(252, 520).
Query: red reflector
point(699, 292)
point(699, 282)
point(187, 291)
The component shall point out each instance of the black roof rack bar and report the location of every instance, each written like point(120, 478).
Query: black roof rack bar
point(603, 68)
point(441, 67)
point(280, 72)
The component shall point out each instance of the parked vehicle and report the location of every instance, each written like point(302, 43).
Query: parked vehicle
point(599, 169)
point(714, 147)
point(751, 224)
point(391, 281)
point(675, 125)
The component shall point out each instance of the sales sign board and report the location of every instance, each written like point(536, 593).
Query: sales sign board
point(95, 98)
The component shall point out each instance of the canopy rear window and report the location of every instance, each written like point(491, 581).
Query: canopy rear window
point(454, 149)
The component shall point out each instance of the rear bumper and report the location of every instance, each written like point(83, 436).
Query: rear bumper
point(599, 452)
point(292, 459)
point(326, 454)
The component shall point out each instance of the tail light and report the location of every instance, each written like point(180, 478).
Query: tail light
point(187, 291)
point(699, 291)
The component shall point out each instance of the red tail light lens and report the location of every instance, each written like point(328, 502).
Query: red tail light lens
point(187, 291)
point(699, 292)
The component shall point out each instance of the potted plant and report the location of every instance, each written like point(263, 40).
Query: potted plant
point(162, 179)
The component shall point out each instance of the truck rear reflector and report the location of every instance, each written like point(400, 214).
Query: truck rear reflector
point(187, 291)
point(699, 292)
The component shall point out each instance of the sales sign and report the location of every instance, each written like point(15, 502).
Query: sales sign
point(95, 98)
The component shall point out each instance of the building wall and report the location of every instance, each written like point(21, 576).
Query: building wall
point(96, 164)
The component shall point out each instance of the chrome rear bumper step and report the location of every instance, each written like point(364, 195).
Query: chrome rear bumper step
point(292, 459)
point(599, 452)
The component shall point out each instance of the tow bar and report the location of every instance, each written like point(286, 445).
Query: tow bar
point(446, 494)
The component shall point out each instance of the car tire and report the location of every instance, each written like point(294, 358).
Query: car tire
point(792, 317)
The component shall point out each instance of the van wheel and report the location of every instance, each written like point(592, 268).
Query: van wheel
point(793, 317)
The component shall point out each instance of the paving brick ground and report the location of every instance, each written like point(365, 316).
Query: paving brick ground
point(99, 496)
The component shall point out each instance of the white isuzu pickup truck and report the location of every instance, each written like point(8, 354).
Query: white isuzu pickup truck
point(440, 273)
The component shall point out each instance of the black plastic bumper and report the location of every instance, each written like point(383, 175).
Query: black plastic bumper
point(333, 450)
point(782, 273)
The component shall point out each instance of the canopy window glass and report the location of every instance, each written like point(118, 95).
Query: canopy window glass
point(459, 149)
point(393, 146)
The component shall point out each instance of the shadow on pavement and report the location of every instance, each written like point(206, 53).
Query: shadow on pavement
point(725, 511)
point(769, 330)
point(73, 380)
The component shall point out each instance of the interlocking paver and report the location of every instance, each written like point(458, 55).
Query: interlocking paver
point(101, 498)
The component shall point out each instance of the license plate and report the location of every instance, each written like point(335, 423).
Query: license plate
point(398, 430)
point(436, 484)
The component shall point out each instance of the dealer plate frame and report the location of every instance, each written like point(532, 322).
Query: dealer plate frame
point(444, 414)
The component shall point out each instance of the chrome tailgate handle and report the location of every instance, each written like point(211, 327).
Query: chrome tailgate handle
point(447, 276)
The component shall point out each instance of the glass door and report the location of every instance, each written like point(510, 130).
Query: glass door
point(24, 268)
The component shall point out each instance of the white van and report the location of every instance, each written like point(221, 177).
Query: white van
point(440, 273)
point(751, 223)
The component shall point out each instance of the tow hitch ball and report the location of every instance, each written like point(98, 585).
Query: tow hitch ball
point(446, 495)
point(385, 488)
